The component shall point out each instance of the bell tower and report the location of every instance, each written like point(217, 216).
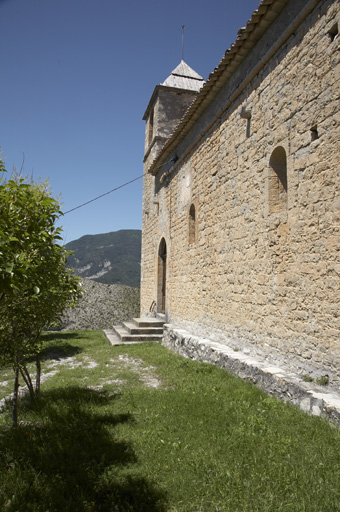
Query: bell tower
point(169, 102)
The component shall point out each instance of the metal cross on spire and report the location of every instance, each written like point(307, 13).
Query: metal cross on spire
point(182, 40)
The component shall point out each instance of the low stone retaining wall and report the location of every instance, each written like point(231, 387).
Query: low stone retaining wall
point(276, 381)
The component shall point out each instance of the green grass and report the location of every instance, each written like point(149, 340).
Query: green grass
point(103, 438)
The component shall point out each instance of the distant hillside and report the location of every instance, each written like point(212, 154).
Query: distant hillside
point(102, 306)
point(110, 258)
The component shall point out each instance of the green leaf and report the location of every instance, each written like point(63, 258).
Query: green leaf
point(9, 267)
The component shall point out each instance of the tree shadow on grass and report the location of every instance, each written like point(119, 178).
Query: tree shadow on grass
point(59, 351)
point(58, 346)
point(69, 459)
point(61, 335)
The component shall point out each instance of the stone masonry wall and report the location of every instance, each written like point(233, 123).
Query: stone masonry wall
point(269, 280)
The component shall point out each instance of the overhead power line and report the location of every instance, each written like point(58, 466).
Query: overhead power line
point(102, 195)
point(172, 160)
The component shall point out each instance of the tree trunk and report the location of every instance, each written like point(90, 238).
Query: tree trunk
point(28, 380)
point(15, 398)
point(37, 379)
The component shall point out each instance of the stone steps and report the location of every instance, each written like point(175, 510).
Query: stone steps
point(138, 330)
point(145, 329)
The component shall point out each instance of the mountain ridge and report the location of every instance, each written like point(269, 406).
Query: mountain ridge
point(108, 258)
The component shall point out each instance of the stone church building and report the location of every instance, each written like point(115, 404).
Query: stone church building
point(241, 202)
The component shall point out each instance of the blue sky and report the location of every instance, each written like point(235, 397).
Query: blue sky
point(76, 78)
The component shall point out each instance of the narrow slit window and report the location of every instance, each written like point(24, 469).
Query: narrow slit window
point(333, 32)
point(150, 135)
point(314, 133)
point(277, 181)
point(192, 224)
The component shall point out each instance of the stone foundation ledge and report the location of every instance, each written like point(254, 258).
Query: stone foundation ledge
point(276, 381)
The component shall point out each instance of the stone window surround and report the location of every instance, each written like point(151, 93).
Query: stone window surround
point(285, 144)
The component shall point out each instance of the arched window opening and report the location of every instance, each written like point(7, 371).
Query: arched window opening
point(150, 134)
point(277, 181)
point(192, 224)
point(161, 278)
point(314, 134)
point(333, 32)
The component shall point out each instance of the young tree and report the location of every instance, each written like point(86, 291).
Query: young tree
point(35, 284)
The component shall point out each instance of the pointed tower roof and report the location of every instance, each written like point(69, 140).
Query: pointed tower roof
point(184, 77)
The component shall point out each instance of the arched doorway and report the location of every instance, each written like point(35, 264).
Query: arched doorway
point(161, 279)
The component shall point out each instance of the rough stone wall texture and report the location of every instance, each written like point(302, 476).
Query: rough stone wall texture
point(166, 110)
point(270, 280)
point(172, 106)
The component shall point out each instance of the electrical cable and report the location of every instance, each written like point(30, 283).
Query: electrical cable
point(106, 193)
point(173, 160)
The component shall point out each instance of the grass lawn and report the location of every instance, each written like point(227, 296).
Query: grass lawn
point(138, 428)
